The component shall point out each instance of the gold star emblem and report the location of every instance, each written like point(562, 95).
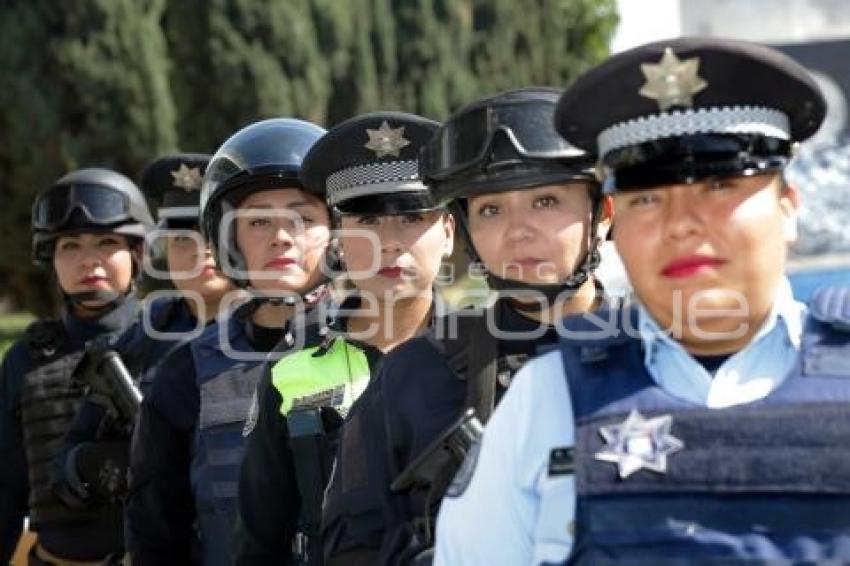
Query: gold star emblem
point(187, 178)
point(672, 82)
point(386, 140)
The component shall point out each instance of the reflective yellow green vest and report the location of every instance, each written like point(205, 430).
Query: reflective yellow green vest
point(335, 378)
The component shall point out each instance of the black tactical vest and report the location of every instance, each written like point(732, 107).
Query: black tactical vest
point(49, 401)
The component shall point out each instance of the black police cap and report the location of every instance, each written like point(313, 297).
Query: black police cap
point(174, 182)
point(369, 164)
point(676, 110)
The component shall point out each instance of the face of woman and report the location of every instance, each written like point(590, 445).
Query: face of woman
point(706, 258)
point(536, 236)
point(283, 234)
point(186, 253)
point(396, 255)
point(93, 262)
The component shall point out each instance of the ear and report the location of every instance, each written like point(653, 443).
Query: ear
point(335, 244)
point(449, 227)
point(606, 217)
point(789, 205)
point(137, 249)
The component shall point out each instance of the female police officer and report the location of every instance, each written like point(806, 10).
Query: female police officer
point(709, 422)
point(91, 466)
point(391, 237)
point(89, 227)
point(269, 235)
point(530, 208)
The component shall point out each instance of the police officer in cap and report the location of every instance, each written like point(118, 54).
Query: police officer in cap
point(708, 422)
point(532, 215)
point(174, 181)
point(391, 236)
point(91, 467)
point(268, 235)
point(88, 230)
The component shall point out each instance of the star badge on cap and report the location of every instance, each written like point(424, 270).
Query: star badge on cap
point(672, 82)
point(639, 443)
point(386, 141)
point(187, 178)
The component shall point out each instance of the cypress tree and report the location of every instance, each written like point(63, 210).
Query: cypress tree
point(84, 85)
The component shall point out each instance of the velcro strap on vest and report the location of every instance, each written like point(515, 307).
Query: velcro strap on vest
point(227, 397)
point(831, 305)
point(760, 449)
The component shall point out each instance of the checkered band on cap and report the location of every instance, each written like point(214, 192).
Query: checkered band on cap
point(724, 120)
point(373, 179)
point(177, 211)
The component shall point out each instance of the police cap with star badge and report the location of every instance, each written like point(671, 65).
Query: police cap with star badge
point(680, 110)
point(369, 164)
point(174, 183)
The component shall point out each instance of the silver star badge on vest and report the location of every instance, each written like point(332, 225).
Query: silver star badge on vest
point(187, 178)
point(386, 140)
point(639, 443)
point(672, 82)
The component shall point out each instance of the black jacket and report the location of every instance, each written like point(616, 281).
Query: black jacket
point(270, 503)
point(93, 535)
point(160, 509)
point(415, 397)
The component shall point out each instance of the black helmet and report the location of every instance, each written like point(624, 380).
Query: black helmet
point(503, 142)
point(507, 142)
point(258, 157)
point(87, 200)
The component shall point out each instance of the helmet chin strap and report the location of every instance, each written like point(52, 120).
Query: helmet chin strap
point(309, 298)
point(333, 263)
point(550, 292)
point(111, 300)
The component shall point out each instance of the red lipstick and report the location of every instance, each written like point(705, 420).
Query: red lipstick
point(391, 272)
point(92, 280)
point(686, 266)
point(279, 263)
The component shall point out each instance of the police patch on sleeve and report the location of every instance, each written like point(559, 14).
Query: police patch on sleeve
point(253, 415)
point(464, 474)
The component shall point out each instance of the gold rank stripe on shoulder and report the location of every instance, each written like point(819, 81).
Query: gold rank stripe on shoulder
point(335, 378)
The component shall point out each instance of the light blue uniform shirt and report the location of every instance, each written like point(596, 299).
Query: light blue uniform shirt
point(512, 512)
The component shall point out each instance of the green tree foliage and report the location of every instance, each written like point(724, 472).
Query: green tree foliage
point(84, 84)
point(237, 61)
point(117, 82)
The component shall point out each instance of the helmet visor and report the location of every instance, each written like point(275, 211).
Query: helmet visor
point(101, 205)
point(465, 141)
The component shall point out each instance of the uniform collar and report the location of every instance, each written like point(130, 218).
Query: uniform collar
point(786, 313)
point(747, 375)
point(110, 322)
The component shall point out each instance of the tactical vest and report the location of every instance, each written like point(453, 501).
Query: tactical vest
point(310, 382)
point(49, 401)
point(227, 390)
point(764, 481)
point(471, 352)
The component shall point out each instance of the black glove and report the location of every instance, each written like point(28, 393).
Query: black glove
point(102, 468)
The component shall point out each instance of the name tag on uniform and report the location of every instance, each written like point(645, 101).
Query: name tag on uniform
point(561, 461)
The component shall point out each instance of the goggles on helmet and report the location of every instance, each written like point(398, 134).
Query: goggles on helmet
point(101, 205)
point(465, 141)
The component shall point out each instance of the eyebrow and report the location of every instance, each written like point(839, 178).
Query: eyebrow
point(95, 235)
point(296, 204)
